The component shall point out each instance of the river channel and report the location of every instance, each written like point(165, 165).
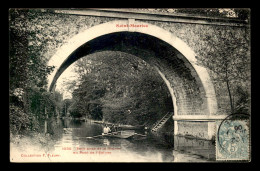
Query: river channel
point(73, 143)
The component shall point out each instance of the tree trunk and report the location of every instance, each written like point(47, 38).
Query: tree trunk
point(56, 113)
point(45, 122)
point(25, 101)
point(230, 96)
point(228, 87)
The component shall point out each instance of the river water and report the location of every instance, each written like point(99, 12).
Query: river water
point(72, 145)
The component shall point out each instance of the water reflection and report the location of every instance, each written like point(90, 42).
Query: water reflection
point(71, 143)
point(106, 142)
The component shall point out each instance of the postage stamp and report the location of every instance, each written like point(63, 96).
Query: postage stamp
point(232, 139)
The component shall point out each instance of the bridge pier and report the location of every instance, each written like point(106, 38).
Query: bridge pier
point(199, 126)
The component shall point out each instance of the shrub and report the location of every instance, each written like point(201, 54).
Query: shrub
point(19, 121)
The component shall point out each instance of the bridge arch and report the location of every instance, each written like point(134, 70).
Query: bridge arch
point(207, 96)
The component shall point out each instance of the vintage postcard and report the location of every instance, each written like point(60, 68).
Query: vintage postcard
point(170, 85)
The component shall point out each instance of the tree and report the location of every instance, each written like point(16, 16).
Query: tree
point(28, 70)
point(66, 107)
point(227, 56)
point(118, 88)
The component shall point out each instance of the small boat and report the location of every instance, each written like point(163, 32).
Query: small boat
point(120, 134)
point(98, 122)
point(130, 127)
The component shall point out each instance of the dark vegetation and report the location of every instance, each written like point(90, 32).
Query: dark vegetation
point(119, 88)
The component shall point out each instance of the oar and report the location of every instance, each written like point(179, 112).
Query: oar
point(96, 136)
point(103, 134)
point(140, 135)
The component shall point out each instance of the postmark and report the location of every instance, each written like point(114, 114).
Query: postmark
point(232, 139)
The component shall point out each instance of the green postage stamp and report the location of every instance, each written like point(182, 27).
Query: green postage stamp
point(232, 139)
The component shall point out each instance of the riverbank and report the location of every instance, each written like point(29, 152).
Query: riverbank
point(25, 146)
point(31, 139)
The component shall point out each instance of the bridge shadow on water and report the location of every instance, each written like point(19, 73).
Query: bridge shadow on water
point(181, 145)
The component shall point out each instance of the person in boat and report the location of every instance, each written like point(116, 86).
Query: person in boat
point(106, 130)
point(113, 128)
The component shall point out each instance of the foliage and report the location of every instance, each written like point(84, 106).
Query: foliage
point(227, 56)
point(243, 102)
point(18, 120)
point(27, 64)
point(119, 88)
point(66, 104)
point(28, 71)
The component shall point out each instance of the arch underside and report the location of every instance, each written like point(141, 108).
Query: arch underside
point(192, 92)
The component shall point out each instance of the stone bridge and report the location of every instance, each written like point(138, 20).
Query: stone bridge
point(170, 43)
